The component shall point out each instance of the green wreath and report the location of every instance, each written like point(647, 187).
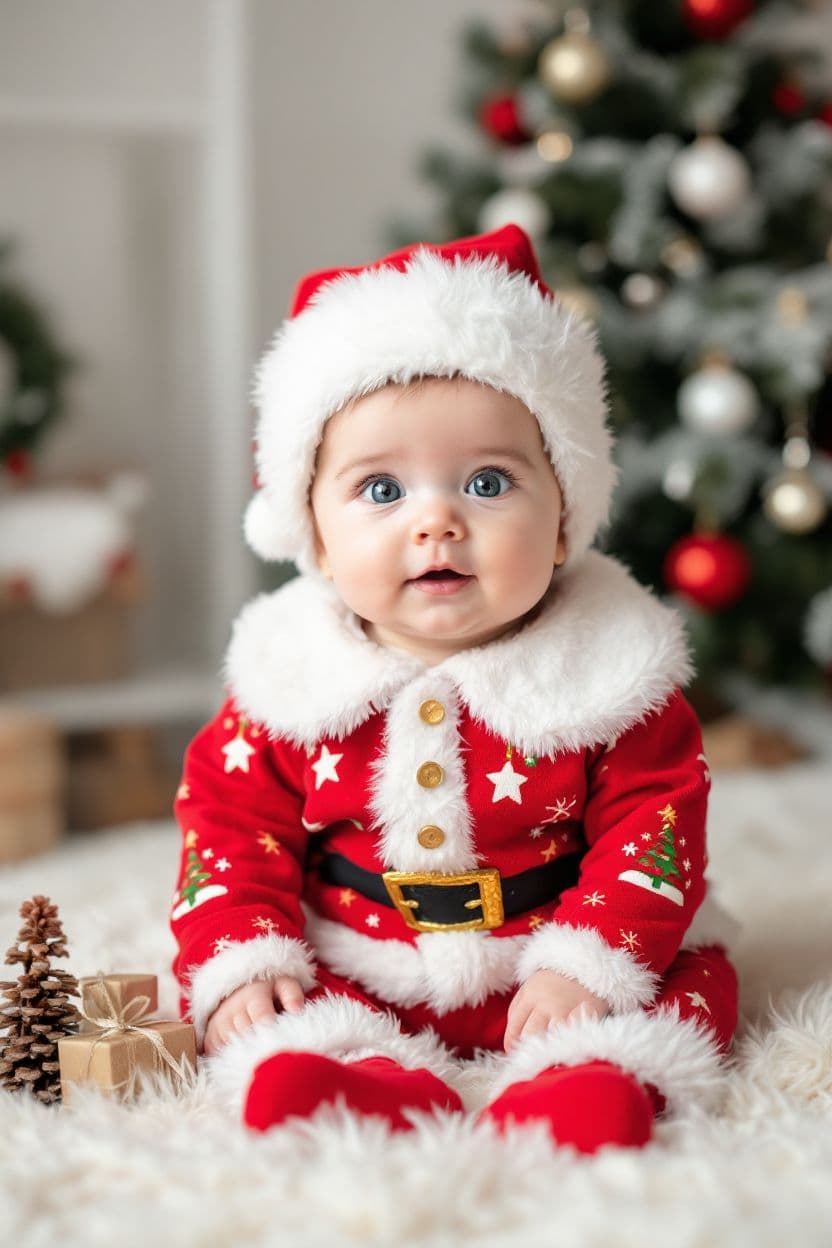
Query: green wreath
point(38, 369)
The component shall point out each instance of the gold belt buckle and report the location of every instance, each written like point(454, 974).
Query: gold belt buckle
point(489, 902)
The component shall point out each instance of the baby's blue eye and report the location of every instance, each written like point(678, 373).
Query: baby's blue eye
point(489, 483)
point(382, 490)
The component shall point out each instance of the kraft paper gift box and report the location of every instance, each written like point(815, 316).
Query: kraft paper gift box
point(116, 1063)
point(123, 989)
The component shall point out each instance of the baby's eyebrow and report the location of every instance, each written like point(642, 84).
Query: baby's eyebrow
point(504, 452)
point(364, 462)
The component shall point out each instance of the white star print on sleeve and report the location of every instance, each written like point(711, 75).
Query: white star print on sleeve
point(237, 754)
point(506, 783)
point(324, 768)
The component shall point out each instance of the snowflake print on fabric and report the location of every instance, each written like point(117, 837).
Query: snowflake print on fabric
point(630, 849)
point(263, 924)
point(550, 851)
point(595, 899)
point(660, 862)
point(268, 842)
point(630, 940)
point(561, 809)
point(222, 942)
point(222, 864)
point(507, 783)
point(325, 767)
point(536, 833)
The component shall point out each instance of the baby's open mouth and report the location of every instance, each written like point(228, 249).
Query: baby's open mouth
point(441, 581)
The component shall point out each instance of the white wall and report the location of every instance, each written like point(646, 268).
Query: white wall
point(343, 97)
point(347, 96)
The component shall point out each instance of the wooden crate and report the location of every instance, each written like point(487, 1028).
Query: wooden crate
point(32, 778)
point(38, 648)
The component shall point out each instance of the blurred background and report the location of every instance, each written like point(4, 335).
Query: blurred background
point(168, 173)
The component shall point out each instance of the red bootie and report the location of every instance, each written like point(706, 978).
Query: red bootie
point(586, 1106)
point(294, 1085)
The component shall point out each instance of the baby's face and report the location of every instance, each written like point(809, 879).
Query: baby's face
point(453, 475)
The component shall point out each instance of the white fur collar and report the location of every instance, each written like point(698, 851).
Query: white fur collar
point(600, 655)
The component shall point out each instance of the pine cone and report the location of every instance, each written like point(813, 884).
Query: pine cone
point(35, 1010)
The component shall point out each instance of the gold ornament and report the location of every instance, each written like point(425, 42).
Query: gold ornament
point(794, 502)
point(684, 256)
point(554, 146)
point(792, 306)
point(581, 301)
point(574, 67)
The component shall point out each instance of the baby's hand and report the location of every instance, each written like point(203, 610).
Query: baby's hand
point(546, 999)
point(248, 1005)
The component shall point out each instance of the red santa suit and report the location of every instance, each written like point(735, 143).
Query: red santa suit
point(550, 785)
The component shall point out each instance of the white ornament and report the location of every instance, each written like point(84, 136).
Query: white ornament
point(507, 783)
point(515, 206)
point(709, 179)
point(324, 768)
point(717, 399)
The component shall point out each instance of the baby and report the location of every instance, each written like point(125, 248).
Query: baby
point(452, 815)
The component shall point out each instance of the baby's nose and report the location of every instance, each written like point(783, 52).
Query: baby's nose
point(438, 520)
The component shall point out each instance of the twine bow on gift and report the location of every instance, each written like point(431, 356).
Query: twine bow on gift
point(124, 1019)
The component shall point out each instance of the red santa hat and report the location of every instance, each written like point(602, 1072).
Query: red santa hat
point(477, 307)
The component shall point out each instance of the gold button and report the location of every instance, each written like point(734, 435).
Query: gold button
point(430, 837)
point(430, 775)
point(432, 712)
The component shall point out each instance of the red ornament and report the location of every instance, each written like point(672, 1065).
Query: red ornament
point(788, 99)
point(500, 117)
point(825, 114)
point(711, 570)
point(18, 464)
point(714, 19)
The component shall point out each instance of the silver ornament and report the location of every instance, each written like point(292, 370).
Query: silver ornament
point(642, 291)
point(517, 206)
point(717, 399)
point(709, 179)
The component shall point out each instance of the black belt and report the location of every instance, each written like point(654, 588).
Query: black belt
point(430, 900)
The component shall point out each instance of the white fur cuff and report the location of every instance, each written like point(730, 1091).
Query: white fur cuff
point(679, 1057)
point(335, 1026)
point(246, 962)
point(582, 954)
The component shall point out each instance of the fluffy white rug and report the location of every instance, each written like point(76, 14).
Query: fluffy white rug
point(172, 1170)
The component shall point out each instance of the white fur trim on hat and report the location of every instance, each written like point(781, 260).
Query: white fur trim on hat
point(473, 316)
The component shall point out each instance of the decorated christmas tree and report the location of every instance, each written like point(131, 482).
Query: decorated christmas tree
point(673, 164)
